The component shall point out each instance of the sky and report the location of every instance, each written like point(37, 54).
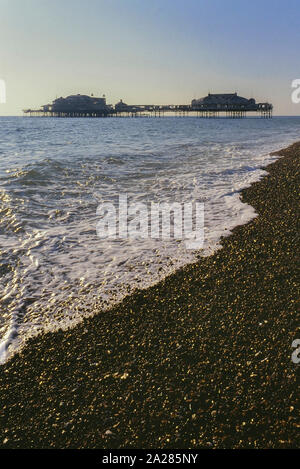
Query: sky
point(148, 51)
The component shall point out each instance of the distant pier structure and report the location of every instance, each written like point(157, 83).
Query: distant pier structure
point(211, 106)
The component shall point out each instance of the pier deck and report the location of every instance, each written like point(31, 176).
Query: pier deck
point(180, 111)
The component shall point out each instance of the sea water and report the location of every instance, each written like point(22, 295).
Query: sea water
point(54, 173)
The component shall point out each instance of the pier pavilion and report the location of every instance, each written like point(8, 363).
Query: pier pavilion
point(211, 106)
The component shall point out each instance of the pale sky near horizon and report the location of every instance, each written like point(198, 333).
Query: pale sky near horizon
point(148, 51)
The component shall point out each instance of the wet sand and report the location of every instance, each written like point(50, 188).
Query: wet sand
point(200, 360)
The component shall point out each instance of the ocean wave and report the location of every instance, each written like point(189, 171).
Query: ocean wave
point(54, 269)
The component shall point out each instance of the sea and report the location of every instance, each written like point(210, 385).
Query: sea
point(56, 172)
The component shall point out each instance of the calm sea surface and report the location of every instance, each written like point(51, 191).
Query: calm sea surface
point(54, 173)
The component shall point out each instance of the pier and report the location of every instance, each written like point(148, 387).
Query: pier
point(210, 107)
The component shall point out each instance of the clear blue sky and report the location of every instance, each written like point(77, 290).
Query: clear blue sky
point(148, 51)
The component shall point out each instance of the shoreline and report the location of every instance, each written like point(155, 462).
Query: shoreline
point(199, 360)
point(16, 338)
